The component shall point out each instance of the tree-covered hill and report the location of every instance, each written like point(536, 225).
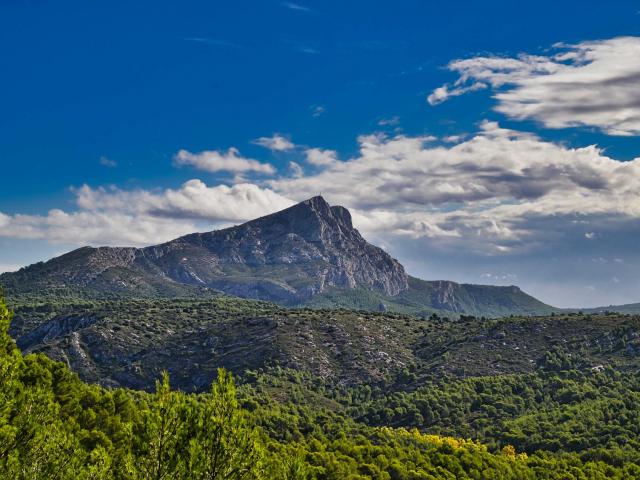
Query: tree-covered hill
point(629, 308)
point(288, 424)
point(128, 342)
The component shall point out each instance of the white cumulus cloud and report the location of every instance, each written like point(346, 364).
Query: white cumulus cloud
point(496, 191)
point(320, 157)
point(216, 161)
point(140, 217)
point(276, 143)
point(500, 191)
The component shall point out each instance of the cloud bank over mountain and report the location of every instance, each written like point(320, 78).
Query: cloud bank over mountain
point(488, 201)
point(499, 191)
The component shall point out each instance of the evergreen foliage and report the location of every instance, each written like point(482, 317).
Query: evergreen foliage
point(284, 424)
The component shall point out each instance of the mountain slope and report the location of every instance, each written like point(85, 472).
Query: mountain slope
point(628, 308)
point(287, 257)
point(568, 420)
point(129, 342)
point(441, 297)
point(308, 254)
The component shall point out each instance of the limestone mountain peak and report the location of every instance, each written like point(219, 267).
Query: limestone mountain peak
point(304, 217)
point(307, 254)
point(287, 256)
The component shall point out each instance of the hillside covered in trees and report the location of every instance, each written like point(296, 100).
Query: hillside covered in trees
point(563, 420)
point(130, 342)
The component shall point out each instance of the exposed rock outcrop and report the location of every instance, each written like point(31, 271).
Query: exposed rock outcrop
point(288, 256)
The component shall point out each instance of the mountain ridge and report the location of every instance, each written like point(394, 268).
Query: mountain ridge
point(308, 254)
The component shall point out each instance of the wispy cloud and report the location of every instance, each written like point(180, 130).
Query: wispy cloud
point(212, 41)
point(298, 46)
point(217, 161)
point(296, 6)
point(306, 49)
point(590, 84)
point(296, 170)
point(392, 121)
point(317, 110)
point(107, 162)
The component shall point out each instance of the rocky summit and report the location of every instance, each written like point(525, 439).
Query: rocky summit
point(308, 254)
point(287, 257)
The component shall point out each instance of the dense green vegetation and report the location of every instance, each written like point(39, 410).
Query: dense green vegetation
point(562, 421)
point(129, 342)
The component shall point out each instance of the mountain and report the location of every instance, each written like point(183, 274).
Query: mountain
point(287, 257)
point(443, 297)
point(628, 308)
point(308, 254)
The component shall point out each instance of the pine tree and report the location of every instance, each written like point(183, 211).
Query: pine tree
point(225, 446)
point(161, 457)
point(33, 441)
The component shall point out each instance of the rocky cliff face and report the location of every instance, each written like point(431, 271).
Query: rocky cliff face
point(287, 257)
point(309, 254)
point(314, 239)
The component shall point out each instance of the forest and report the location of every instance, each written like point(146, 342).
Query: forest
point(279, 423)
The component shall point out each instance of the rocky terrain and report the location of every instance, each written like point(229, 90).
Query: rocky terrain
point(309, 254)
point(450, 299)
point(129, 342)
point(287, 257)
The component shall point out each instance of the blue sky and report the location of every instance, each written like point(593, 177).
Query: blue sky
point(98, 99)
